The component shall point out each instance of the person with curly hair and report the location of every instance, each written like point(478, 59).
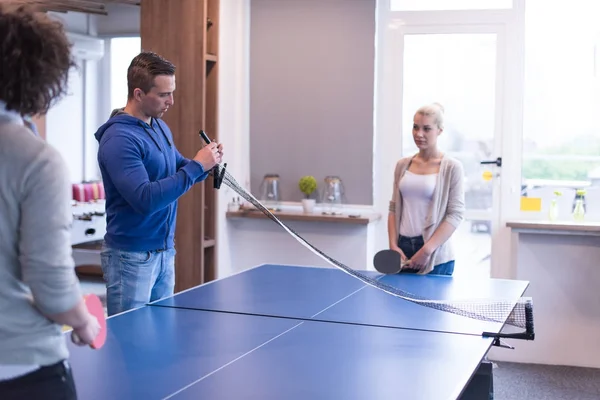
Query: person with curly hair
point(39, 290)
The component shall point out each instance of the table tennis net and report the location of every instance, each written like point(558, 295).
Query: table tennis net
point(500, 311)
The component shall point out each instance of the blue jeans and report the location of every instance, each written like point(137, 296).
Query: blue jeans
point(410, 245)
point(135, 278)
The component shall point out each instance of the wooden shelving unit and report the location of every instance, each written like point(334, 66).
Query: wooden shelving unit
point(186, 33)
point(211, 116)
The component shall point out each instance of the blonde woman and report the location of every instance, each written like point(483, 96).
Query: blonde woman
point(428, 200)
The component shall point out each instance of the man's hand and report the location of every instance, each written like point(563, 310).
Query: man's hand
point(210, 155)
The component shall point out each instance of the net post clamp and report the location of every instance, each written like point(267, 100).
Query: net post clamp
point(218, 177)
point(498, 336)
point(498, 343)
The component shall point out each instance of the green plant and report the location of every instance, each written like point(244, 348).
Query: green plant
point(307, 185)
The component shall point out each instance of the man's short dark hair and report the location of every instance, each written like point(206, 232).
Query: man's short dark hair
point(36, 58)
point(144, 68)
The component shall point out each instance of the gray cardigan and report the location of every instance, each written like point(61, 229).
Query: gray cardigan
point(36, 267)
point(448, 204)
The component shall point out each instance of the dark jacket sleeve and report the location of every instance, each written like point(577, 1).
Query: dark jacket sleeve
point(182, 162)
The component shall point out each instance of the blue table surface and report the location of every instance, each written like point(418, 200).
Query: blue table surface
point(152, 352)
point(332, 295)
point(319, 360)
point(274, 290)
point(161, 352)
point(276, 332)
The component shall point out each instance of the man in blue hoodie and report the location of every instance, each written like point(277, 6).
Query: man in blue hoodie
point(144, 175)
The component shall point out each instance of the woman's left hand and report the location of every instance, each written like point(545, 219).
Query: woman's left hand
point(420, 259)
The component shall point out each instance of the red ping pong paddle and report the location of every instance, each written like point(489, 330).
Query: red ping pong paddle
point(388, 261)
point(95, 308)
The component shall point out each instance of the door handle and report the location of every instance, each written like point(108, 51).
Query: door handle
point(497, 161)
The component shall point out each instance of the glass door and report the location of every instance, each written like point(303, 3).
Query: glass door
point(459, 71)
point(468, 61)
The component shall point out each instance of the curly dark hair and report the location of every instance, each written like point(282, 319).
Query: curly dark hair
point(36, 59)
point(144, 68)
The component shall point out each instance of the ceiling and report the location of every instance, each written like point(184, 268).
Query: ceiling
point(84, 6)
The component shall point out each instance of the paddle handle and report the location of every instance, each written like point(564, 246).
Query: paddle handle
point(204, 136)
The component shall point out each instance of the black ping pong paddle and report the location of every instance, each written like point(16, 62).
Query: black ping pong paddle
point(387, 262)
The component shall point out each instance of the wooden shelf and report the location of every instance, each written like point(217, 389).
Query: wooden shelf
point(587, 228)
point(346, 218)
point(209, 243)
point(211, 57)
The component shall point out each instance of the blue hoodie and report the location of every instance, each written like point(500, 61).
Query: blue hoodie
point(143, 176)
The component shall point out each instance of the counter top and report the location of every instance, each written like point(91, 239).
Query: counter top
point(588, 228)
point(348, 217)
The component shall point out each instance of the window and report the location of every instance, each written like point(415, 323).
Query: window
point(65, 123)
point(122, 51)
point(431, 5)
point(561, 134)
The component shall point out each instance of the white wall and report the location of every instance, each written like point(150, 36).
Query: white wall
point(261, 241)
point(311, 72)
point(233, 120)
point(71, 122)
point(234, 104)
point(93, 119)
point(64, 124)
point(564, 273)
point(244, 243)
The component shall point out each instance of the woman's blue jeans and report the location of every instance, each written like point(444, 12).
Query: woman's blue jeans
point(410, 245)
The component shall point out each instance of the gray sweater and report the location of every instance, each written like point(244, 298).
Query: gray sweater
point(36, 266)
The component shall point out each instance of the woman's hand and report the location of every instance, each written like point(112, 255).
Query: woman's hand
point(86, 333)
point(420, 260)
point(399, 250)
point(403, 258)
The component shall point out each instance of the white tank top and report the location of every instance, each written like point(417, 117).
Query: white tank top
point(417, 192)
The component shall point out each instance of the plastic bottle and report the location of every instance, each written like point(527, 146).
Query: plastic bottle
point(579, 210)
point(553, 212)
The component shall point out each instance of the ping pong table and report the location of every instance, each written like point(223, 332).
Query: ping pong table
point(294, 332)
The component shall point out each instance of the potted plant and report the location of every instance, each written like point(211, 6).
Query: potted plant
point(308, 185)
